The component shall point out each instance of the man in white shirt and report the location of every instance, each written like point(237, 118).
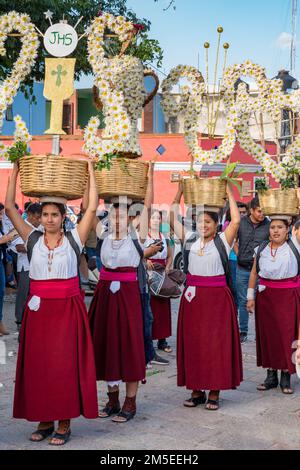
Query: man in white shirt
point(33, 219)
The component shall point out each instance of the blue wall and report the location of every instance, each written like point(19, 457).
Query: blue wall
point(158, 115)
point(34, 115)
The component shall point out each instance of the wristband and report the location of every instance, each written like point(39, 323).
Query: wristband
point(250, 294)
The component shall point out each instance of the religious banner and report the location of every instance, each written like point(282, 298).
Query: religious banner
point(59, 86)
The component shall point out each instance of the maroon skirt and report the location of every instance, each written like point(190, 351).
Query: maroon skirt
point(208, 344)
point(277, 317)
point(116, 322)
point(162, 320)
point(55, 377)
point(161, 310)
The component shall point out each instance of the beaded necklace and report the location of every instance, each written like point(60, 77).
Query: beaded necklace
point(51, 250)
point(273, 253)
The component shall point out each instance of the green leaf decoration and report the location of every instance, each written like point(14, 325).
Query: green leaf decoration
point(261, 185)
point(237, 185)
point(17, 151)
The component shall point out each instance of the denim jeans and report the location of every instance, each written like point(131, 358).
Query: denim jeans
point(148, 320)
point(2, 288)
point(99, 263)
point(90, 252)
point(233, 268)
point(242, 281)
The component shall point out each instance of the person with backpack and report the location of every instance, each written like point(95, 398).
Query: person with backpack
point(161, 307)
point(55, 376)
point(254, 229)
point(277, 304)
point(208, 347)
point(120, 307)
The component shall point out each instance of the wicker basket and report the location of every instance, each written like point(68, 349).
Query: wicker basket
point(210, 192)
point(129, 155)
point(124, 178)
point(279, 202)
point(52, 175)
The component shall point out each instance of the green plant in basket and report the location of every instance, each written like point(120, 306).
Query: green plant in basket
point(261, 184)
point(292, 174)
point(288, 183)
point(17, 151)
point(106, 162)
point(292, 169)
point(230, 175)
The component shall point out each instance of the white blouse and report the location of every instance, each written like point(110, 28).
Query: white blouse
point(283, 266)
point(160, 255)
point(64, 263)
point(23, 263)
point(119, 253)
point(210, 263)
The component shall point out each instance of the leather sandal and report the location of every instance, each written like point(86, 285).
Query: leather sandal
point(62, 437)
point(112, 407)
point(193, 402)
point(270, 382)
point(125, 415)
point(109, 411)
point(164, 346)
point(285, 383)
point(42, 433)
point(215, 403)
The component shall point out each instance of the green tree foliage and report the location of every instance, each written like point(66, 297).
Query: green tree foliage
point(147, 49)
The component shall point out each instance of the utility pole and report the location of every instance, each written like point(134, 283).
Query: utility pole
point(294, 35)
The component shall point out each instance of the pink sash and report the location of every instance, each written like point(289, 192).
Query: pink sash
point(291, 283)
point(118, 275)
point(55, 288)
point(201, 281)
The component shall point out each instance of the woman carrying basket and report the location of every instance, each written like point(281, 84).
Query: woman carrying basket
point(277, 305)
point(208, 347)
point(116, 313)
point(55, 377)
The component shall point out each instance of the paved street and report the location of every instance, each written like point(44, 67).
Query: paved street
point(247, 419)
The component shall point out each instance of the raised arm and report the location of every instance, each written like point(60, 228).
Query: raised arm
point(232, 229)
point(176, 226)
point(85, 203)
point(12, 213)
point(86, 224)
point(144, 218)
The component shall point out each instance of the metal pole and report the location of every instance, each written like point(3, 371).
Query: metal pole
point(294, 35)
point(55, 145)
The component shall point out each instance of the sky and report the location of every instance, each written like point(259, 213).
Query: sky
point(258, 30)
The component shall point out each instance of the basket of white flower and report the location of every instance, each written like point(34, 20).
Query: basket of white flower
point(279, 201)
point(52, 175)
point(123, 177)
point(210, 192)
